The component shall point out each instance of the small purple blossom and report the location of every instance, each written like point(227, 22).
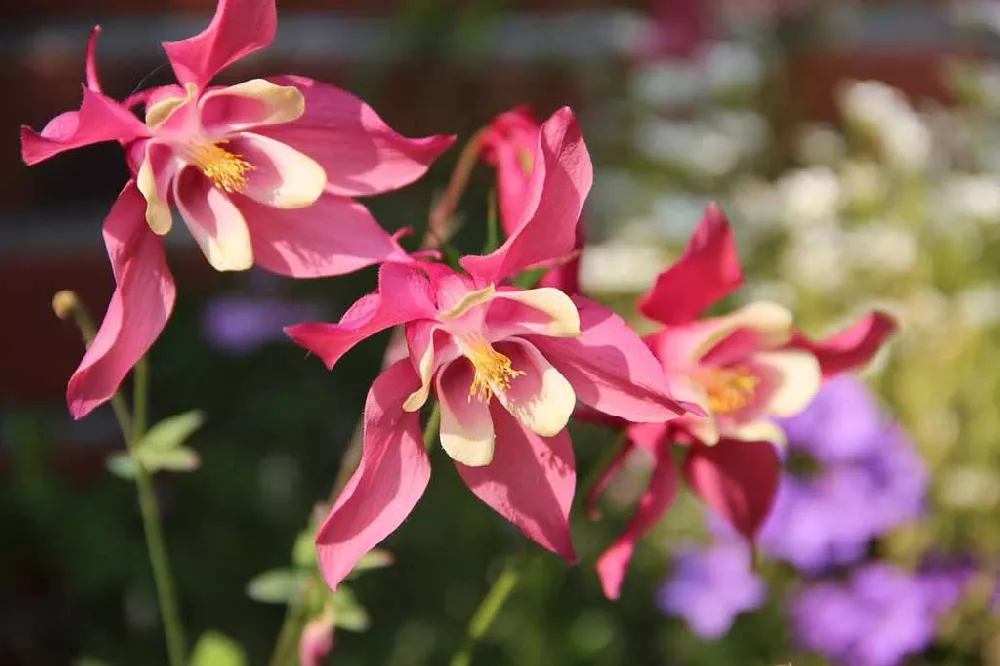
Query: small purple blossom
point(865, 478)
point(240, 325)
point(711, 586)
point(877, 618)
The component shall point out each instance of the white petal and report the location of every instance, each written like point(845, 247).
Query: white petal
point(799, 378)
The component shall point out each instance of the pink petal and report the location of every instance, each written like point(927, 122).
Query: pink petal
point(613, 563)
point(547, 228)
point(316, 641)
point(565, 276)
point(392, 476)
point(139, 307)
point(610, 367)
point(403, 296)
point(530, 482)
point(93, 82)
point(248, 104)
point(334, 236)
point(238, 28)
point(708, 270)
point(851, 348)
point(99, 119)
point(360, 153)
point(737, 479)
point(214, 220)
point(511, 145)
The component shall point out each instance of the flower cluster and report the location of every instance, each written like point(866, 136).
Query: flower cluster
point(265, 173)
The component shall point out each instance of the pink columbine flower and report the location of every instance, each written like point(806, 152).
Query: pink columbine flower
point(316, 641)
point(507, 367)
point(261, 172)
point(745, 369)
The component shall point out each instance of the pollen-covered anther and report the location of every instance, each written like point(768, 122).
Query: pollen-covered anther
point(228, 171)
point(492, 369)
point(729, 389)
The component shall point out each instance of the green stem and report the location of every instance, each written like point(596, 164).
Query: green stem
point(149, 507)
point(433, 426)
point(488, 610)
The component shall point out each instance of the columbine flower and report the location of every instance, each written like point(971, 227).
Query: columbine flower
point(745, 369)
point(509, 144)
point(852, 476)
point(261, 172)
point(710, 587)
point(507, 367)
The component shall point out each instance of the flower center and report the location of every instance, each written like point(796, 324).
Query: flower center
point(729, 389)
point(228, 171)
point(492, 368)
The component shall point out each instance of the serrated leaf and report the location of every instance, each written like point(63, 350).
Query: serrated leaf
point(304, 550)
point(348, 613)
point(172, 431)
point(215, 649)
point(179, 459)
point(375, 559)
point(277, 586)
point(121, 465)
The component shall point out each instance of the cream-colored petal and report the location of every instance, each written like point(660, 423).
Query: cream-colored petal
point(160, 112)
point(565, 318)
point(759, 430)
point(468, 301)
point(215, 222)
point(467, 434)
point(703, 428)
point(417, 399)
point(541, 399)
point(773, 322)
point(157, 211)
point(281, 176)
point(278, 104)
point(798, 382)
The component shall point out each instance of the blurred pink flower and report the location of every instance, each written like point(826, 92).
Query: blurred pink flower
point(261, 172)
point(316, 642)
point(536, 351)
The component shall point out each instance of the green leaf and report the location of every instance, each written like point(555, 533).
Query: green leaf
point(304, 550)
point(277, 586)
point(348, 613)
point(375, 559)
point(215, 649)
point(179, 459)
point(121, 465)
point(172, 431)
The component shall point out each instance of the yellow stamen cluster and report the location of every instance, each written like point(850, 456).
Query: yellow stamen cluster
point(228, 171)
point(492, 369)
point(729, 389)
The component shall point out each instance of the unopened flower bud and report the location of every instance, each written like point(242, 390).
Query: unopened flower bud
point(64, 303)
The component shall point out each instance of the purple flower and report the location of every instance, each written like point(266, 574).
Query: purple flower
point(711, 586)
point(876, 619)
point(945, 578)
point(861, 478)
point(240, 325)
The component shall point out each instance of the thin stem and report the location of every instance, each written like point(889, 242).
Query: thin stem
point(291, 628)
point(437, 225)
point(66, 304)
point(432, 427)
point(149, 507)
point(488, 610)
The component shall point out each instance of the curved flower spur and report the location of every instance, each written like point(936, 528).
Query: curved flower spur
point(507, 367)
point(261, 172)
point(746, 368)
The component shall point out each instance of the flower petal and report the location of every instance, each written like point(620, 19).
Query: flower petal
point(238, 28)
point(708, 271)
point(281, 177)
point(99, 119)
point(541, 399)
point(797, 381)
point(610, 368)
point(852, 347)
point(613, 563)
point(530, 482)
point(139, 307)
point(153, 180)
point(93, 82)
point(334, 236)
point(511, 144)
point(737, 479)
point(403, 296)
point(466, 425)
point(392, 476)
point(360, 153)
point(248, 104)
point(545, 311)
point(547, 229)
point(214, 221)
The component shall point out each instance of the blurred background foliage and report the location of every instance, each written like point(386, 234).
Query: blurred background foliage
point(843, 195)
